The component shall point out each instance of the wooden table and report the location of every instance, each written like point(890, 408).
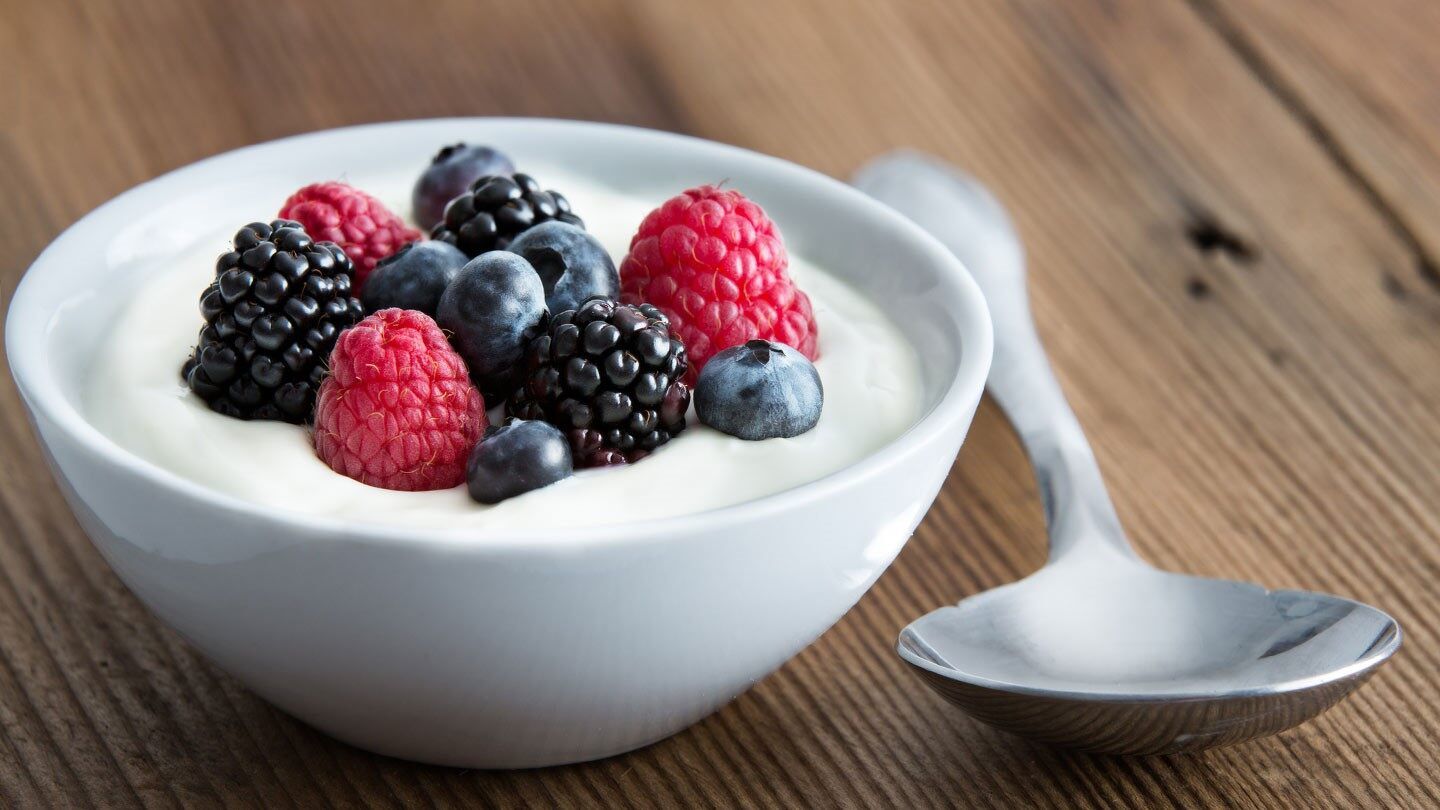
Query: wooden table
point(1232, 208)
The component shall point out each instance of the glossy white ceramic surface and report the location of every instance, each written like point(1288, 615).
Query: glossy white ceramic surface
point(490, 648)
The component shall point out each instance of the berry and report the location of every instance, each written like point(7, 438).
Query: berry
point(760, 390)
point(573, 265)
point(492, 310)
point(714, 262)
point(398, 411)
point(496, 209)
point(517, 458)
point(272, 314)
point(449, 175)
point(610, 376)
point(413, 277)
point(352, 219)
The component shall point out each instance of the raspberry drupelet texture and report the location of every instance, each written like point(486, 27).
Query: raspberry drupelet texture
point(352, 219)
point(398, 410)
point(715, 264)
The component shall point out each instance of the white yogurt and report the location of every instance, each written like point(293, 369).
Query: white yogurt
point(870, 374)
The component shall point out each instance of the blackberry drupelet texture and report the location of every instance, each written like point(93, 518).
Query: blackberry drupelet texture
point(449, 174)
point(278, 302)
point(496, 209)
point(610, 376)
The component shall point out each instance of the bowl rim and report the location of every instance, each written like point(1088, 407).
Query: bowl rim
point(41, 393)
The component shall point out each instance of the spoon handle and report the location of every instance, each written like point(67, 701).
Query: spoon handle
point(1078, 509)
point(966, 218)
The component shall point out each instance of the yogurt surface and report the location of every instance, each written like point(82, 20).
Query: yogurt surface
point(135, 396)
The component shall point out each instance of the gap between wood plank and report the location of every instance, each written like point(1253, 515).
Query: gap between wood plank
point(1219, 20)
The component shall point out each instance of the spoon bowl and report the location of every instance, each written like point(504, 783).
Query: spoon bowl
point(1098, 650)
point(1123, 658)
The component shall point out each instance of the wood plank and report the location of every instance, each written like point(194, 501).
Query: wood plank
point(1361, 77)
point(1219, 296)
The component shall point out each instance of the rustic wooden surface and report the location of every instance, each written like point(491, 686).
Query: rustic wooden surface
point(1233, 212)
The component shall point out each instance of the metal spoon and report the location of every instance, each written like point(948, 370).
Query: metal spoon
point(1098, 650)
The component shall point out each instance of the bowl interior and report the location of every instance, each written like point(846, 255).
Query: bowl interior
point(80, 284)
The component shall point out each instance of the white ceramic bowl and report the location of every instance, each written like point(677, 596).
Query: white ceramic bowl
point(499, 649)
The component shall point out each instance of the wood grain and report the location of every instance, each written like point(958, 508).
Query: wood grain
point(1227, 207)
point(1361, 79)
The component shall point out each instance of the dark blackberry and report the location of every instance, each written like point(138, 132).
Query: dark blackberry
point(496, 209)
point(611, 376)
point(272, 314)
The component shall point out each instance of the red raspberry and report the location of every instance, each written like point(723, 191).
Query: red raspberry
point(714, 264)
point(398, 410)
point(352, 219)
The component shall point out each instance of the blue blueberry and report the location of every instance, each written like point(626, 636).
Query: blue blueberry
point(413, 277)
point(761, 390)
point(492, 310)
point(449, 175)
point(572, 264)
point(516, 458)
